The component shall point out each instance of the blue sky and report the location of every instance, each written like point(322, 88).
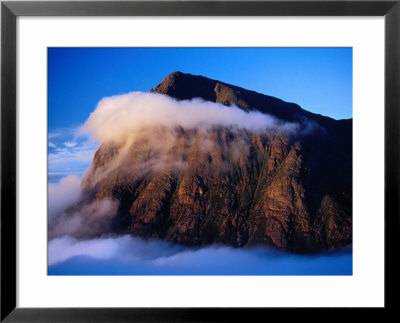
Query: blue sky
point(318, 79)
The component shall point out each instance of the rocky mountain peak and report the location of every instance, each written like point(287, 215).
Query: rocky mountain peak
point(236, 187)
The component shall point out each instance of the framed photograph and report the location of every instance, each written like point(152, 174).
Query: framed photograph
point(197, 161)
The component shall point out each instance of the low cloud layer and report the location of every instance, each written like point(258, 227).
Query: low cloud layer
point(126, 255)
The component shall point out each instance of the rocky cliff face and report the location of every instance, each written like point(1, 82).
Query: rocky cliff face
point(233, 186)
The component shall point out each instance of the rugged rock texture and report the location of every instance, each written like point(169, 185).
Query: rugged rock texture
point(234, 187)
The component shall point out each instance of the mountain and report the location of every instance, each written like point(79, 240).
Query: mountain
point(237, 187)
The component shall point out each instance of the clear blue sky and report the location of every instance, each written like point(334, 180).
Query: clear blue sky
point(318, 79)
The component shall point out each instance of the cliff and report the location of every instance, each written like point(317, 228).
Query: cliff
point(233, 186)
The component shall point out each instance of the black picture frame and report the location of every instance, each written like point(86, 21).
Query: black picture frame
point(10, 10)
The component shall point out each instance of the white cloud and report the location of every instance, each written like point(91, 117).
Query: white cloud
point(120, 116)
point(70, 144)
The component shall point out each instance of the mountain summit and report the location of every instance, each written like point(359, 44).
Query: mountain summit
point(187, 86)
point(229, 185)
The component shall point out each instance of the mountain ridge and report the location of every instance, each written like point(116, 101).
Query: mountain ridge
point(182, 86)
point(241, 188)
point(172, 78)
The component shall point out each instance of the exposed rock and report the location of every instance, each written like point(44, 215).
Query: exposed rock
point(234, 187)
